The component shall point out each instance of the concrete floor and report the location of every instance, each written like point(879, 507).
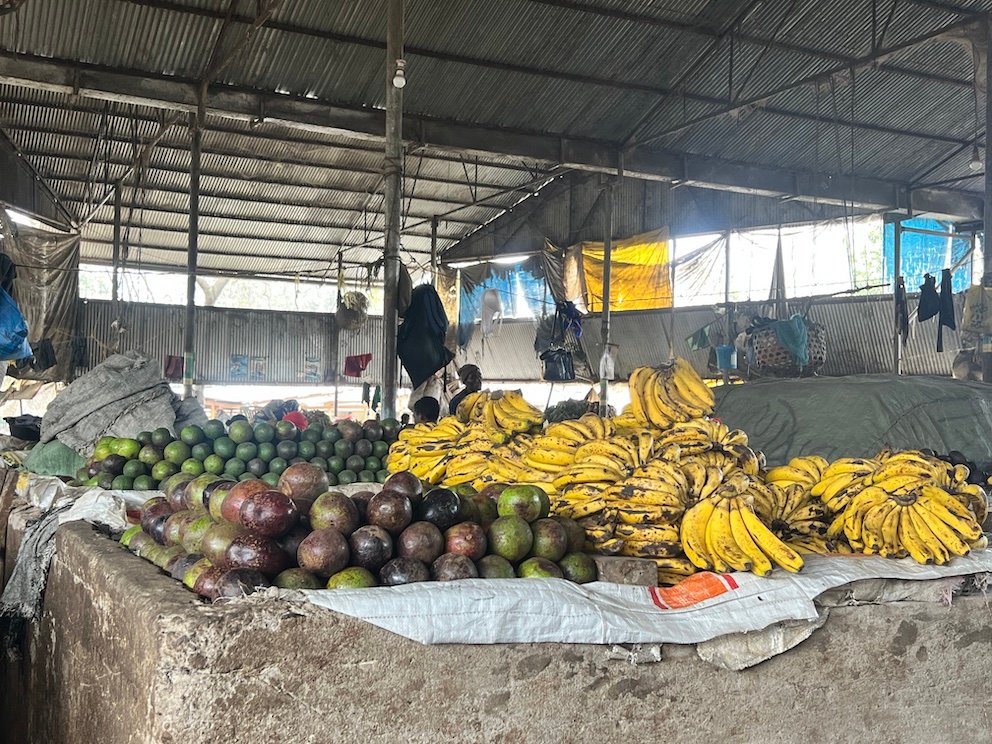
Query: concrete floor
point(125, 654)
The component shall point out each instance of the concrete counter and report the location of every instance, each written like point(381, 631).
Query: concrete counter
point(125, 654)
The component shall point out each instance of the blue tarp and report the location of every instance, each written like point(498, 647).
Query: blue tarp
point(926, 254)
point(521, 287)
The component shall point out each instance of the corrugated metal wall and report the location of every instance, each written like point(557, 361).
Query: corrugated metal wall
point(858, 340)
point(295, 347)
point(859, 337)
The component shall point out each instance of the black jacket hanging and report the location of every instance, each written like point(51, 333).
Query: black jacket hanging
point(929, 299)
point(420, 339)
point(946, 315)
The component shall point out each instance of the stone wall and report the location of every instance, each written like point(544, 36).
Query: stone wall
point(124, 654)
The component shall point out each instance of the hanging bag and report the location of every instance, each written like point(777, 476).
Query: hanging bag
point(558, 363)
point(13, 330)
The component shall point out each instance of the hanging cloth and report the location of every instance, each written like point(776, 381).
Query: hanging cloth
point(355, 365)
point(902, 311)
point(929, 299)
point(946, 317)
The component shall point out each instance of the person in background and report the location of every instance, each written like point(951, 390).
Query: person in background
point(426, 411)
point(471, 378)
point(405, 420)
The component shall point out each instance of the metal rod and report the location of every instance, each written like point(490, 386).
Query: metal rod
point(726, 299)
point(337, 336)
point(896, 276)
point(114, 290)
point(434, 253)
point(604, 380)
point(189, 336)
point(987, 252)
point(393, 171)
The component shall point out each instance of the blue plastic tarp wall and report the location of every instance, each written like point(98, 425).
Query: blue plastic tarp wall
point(522, 290)
point(926, 254)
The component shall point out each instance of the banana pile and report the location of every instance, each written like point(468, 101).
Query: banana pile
point(723, 532)
point(797, 517)
point(904, 504)
point(661, 397)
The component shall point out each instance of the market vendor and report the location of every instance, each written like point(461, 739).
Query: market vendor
point(471, 379)
point(426, 411)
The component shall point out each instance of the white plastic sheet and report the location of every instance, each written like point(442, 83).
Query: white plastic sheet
point(557, 611)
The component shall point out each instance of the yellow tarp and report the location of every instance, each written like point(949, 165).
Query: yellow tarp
point(640, 277)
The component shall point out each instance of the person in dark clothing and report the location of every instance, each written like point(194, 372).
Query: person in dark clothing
point(471, 377)
point(426, 411)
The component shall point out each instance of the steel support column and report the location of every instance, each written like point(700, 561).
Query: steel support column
point(434, 253)
point(896, 278)
point(393, 203)
point(987, 253)
point(604, 380)
point(114, 290)
point(189, 336)
point(726, 299)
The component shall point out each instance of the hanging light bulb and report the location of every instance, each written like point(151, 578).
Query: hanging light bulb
point(399, 78)
point(976, 159)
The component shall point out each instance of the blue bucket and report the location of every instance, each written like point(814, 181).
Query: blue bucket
point(726, 357)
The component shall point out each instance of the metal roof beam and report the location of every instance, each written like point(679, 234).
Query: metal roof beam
point(144, 208)
point(181, 267)
point(579, 154)
point(256, 157)
point(78, 106)
point(775, 110)
point(235, 196)
point(258, 238)
point(272, 220)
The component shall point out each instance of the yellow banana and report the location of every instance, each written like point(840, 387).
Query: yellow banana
point(635, 384)
point(776, 550)
point(940, 553)
point(947, 536)
point(578, 509)
point(910, 539)
point(675, 566)
point(645, 514)
point(891, 547)
point(720, 539)
point(958, 518)
point(693, 533)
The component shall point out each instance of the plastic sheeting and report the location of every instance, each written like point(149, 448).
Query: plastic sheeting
point(927, 254)
point(859, 415)
point(120, 397)
point(701, 608)
point(521, 287)
point(640, 269)
point(46, 289)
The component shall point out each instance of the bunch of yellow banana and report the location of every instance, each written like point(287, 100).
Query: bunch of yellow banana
point(805, 471)
point(843, 479)
point(672, 570)
point(898, 473)
point(581, 430)
point(722, 532)
point(668, 395)
point(604, 462)
point(928, 524)
point(471, 407)
point(798, 518)
point(581, 500)
point(507, 411)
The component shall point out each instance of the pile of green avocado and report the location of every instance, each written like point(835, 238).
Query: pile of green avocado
point(349, 452)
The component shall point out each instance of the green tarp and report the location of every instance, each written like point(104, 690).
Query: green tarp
point(857, 416)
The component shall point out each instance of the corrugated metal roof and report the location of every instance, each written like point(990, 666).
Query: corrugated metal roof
point(596, 69)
